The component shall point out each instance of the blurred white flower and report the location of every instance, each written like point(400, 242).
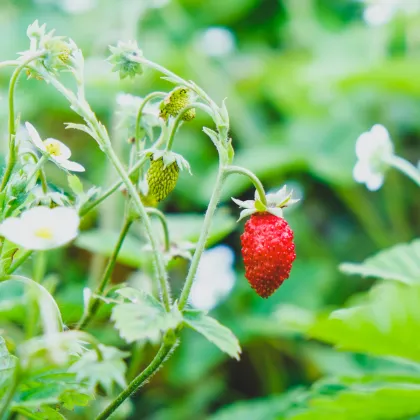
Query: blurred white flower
point(215, 278)
point(217, 41)
point(77, 6)
point(57, 152)
point(380, 12)
point(127, 109)
point(373, 149)
point(157, 4)
point(42, 228)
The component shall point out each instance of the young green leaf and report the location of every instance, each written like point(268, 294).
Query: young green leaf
point(111, 369)
point(73, 398)
point(75, 184)
point(215, 332)
point(270, 408)
point(144, 318)
point(7, 363)
point(362, 401)
point(401, 263)
point(382, 324)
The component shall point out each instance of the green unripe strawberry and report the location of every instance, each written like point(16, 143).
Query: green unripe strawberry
point(174, 103)
point(162, 179)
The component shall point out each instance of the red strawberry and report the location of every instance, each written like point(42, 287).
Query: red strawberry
point(268, 252)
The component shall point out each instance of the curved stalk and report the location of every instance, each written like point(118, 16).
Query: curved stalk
point(38, 168)
point(148, 98)
point(101, 136)
point(95, 302)
point(405, 167)
point(84, 210)
point(254, 179)
point(139, 380)
point(9, 63)
point(162, 219)
point(179, 117)
point(174, 77)
point(12, 128)
point(160, 265)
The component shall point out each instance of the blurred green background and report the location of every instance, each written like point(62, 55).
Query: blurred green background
point(303, 79)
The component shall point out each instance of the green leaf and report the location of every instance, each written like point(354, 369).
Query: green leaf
point(75, 184)
point(72, 398)
point(7, 363)
point(144, 318)
point(102, 241)
point(401, 263)
point(270, 408)
point(52, 387)
point(215, 332)
point(49, 413)
point(382, 324)
point(362, 401)
point(111, 369)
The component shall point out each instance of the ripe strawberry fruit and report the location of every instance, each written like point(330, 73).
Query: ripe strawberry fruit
point(268, 252)
point(162, 179)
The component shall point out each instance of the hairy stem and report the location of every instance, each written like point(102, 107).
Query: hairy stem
point(254, 179)
point(179, 118)
point(203, 237)
point(162, 219)
point(11, 161)
point(86, 209)
point(95, 302)
point(160, 265)
point(101, 136)
point(151, 96)
point(139, 380)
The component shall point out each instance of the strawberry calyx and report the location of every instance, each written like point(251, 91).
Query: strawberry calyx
point(168, 158)
point(275, 203)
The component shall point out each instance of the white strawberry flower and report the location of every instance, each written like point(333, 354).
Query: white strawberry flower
point(56, 151)
point(215, 278)
point(374, 149)
point(42, 228)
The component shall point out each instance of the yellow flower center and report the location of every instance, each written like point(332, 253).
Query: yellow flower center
point(53, 149)
point(44, 233)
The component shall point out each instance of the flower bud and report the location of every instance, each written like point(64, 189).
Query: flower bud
point(122, 59)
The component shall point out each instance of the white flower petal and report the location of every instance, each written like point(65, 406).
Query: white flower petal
point(70, 165)
point(361, 171)
point(64, 151)
point(248, 204)
point(42, 228)
point(380, 132)
point(375, 182)
point(34, 136)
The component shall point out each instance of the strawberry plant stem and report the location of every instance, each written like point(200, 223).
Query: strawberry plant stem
point(183, 299)
point(11, 161)
point(139, 380)
point(101, 136)
point(179, 118)
point(254, 179)
point(95, 302)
